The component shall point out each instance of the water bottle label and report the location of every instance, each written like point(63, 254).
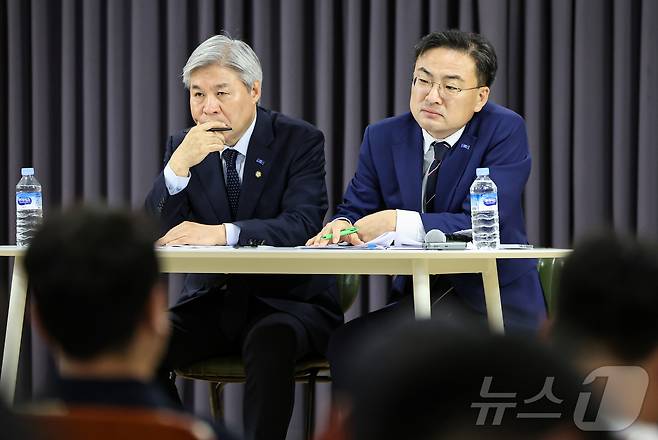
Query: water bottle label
point(26, 201)
point(484, 202)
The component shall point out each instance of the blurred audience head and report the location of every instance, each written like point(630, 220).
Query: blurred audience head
point(93, 274)
point(607, 307)
point(608, 298)
point(431, 381)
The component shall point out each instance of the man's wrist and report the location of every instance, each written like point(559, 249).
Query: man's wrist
point(221, 235)
point(180, 171)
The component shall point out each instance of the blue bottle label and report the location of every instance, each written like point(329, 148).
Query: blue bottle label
point(26, 201)
point(484, 202)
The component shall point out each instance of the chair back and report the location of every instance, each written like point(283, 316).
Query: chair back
point(348, 289)
point(58, 422)
point(549, 275)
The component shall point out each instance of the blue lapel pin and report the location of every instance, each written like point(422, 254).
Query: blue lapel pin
point(465, 146)
point(260, 162)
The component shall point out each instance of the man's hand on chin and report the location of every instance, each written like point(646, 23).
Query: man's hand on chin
point(194, 234)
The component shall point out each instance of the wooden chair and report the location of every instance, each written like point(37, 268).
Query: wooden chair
point(549, 275)
point(230, 369)
point(59, 422)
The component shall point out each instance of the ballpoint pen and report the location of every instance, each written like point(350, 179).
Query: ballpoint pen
point(219, 129)
point(347, 231)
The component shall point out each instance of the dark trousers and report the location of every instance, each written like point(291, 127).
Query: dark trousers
point(270, 342)
point(348, 343)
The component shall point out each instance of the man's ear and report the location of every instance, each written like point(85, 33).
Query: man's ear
point(482, 98)
point(255, 92)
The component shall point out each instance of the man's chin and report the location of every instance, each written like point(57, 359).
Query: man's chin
point(431, 126)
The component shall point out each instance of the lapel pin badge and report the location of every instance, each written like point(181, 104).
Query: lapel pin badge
point(260, 162)
point(465, 146)
point(258, 174)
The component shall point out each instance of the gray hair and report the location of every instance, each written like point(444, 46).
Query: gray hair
point(227, 52)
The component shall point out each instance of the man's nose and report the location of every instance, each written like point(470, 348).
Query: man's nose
point(211, 105)
point(434, 95)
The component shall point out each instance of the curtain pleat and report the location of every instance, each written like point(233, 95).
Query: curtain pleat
point(90, 90)
point(592, 134)
point(647, 145)
point(560, 93)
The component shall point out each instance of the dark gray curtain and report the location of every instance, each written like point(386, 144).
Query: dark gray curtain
point(90, 89)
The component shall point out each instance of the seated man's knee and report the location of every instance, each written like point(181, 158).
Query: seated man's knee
point(271, 339)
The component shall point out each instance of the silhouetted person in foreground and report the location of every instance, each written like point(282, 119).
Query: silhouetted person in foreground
point(605, 321)
point(435, 380)
point(93, 274)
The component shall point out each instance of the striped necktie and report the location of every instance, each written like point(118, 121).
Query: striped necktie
point(440, 149)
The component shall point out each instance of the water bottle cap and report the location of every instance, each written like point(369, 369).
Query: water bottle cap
point(27, 171)
point(482, 172)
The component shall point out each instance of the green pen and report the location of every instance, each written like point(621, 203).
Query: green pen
point(347, 231)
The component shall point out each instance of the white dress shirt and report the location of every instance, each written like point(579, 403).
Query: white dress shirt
point(176, 184)
point(409, 224)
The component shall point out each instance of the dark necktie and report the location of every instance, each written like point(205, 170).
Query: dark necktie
point(234, 310)
point(232, 180)
point(440, 149)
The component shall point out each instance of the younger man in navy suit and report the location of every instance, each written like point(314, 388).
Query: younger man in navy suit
point(451, 130)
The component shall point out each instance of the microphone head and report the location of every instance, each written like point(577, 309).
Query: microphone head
point(435, 236)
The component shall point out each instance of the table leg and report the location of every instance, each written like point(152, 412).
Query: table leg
point(492, 297)
point(422, 302)
point(15, 317)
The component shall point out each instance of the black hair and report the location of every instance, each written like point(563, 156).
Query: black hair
point(609, 295)
point(91, 272)
point(475, 45)
point(426, 381)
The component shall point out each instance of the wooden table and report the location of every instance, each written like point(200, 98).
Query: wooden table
point(268, 260)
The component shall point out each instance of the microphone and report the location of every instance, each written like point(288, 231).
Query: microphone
point(436, 239)
point(435, 236)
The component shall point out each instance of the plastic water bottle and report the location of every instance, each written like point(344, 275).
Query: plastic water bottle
point(29, 207)
point(484, 211)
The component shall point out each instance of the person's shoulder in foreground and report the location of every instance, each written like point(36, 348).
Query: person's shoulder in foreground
point(605, 323)
point(462, 382)
point(99, 304)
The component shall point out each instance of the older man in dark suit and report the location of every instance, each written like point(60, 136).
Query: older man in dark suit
point(245, 176)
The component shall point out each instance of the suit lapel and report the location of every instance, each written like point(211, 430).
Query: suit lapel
point(211, 176)
point(257, 166)
point(451, 171)
point(408, 156)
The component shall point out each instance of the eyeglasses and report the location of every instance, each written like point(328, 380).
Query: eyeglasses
point(424, 87)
